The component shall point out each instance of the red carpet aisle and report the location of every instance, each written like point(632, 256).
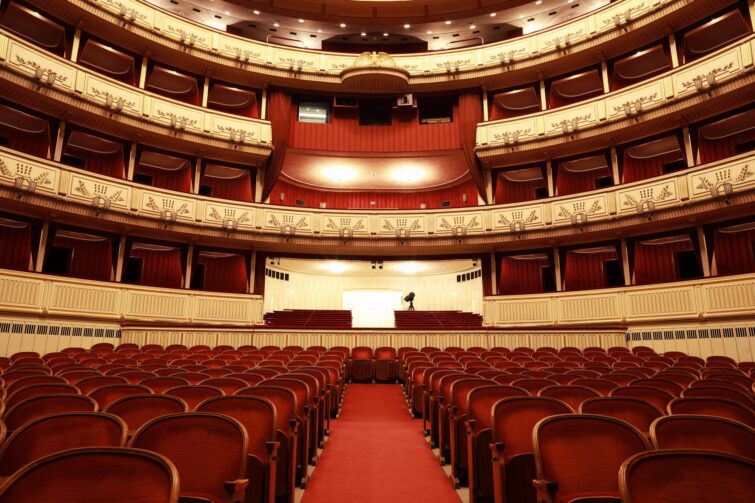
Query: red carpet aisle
point(376, 454)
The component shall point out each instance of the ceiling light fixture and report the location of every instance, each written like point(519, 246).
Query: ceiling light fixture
point(336, 267)
point(407, 26)
point(276, 24)
point(448, 22)
point(256, 12)
point(472, 26)
point(385, 34)
point(364, 34)
point(429, 32)
point(539, 2)
point(408, 174)
point(492, 14)
point(301, 20)
point(409, 267)
point(342, 25)
point(339, 174)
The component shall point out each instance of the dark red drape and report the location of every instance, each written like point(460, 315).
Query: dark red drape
point(642, 169)
point(734, 252)
point(654, 263)
point(35, 144)
point(569, 182)
point(280, 111)
point(224, 273)
point(89, 259)
point(487, 279)
point(160, 267)
point(584, 271)
point(259, 274)
point(15, 247)
point(235, 189)
point(507, 192)
point(519, 276)
point(178, 180)
point(383, 200)
point(721, 148)
point(470, 114)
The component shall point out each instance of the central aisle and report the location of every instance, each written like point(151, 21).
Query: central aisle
point(376, 453)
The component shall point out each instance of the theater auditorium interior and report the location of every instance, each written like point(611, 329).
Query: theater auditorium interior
point(368, 251)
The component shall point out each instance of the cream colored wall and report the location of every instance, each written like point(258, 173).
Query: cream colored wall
point(325, 291)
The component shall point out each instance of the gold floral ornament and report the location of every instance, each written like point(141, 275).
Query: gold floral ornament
point(381, 59)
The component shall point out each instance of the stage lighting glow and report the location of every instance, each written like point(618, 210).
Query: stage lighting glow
point(336, 267)
point(339, 174)
point(409, 267)
point(408, 174)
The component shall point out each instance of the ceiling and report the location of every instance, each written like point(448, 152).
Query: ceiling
point(364, 267)
point(440, 23)
point(375, 172)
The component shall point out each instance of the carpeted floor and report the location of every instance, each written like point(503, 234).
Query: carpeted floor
point(376, 454)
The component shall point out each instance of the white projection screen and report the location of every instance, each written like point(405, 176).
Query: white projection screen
point(372, 308)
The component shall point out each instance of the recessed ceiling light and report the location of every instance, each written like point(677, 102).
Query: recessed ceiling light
point(539, 2)
point(472, 26)
point(342, 25)
point(448, 22)
point(429, 32)
point(336, 267)
point(301, 20)
point(408, 174)
point(227, 13)
point(319, 31)
point(276, 24)
point(256, 12)
point(385, 34)
point(407, 26)
point(364, 34)
point(339, 174)
point(492, 14)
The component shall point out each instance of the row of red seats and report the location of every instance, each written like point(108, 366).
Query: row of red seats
point(470, 407)
point(274, 406)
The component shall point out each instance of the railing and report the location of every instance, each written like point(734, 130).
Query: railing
point(687, 301)
point(701, 76)
point(47, 71)
point(722, 180)
point(44, 295)
point(217, 46)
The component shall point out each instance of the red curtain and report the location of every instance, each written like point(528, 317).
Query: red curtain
point(654, 263)
point(15, 247)
point(487, 279)
point(734, 252)
point(89, 259)
point(33, 144)
point(259, 274)
point(507, 192)
point(520, 276)
point(178, 180)
point(224, 273)
point(568, 182)
point(235, 189)
point(162, 268)
point(108, 165)
point(584, 271)
point(721, 148)
point(642, 169)
point(469, 115)
point(280, 111)
point(383, 200)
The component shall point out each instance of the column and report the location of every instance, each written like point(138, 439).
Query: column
point(493, 274)
point(189, 261)
point(615, 166)
point(549, 171)
point(688, 152)
point(121, 259)
point(703, 243)
point(42, 246)
point(625, 262)
point(485, 111)
point(131, 162)
point(76, 44)
point(252, 272)
point(557, 268)
point(58, 152)
point(143, 72)
point(205, 91)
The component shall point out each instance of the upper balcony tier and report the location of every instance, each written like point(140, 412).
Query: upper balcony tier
point(44, 188)
point(648, 106)
point(62, 88)
point(619, 27)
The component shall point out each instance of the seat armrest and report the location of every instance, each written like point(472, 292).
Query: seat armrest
point(470, 424)
point(272, 450)
point(546, 490)
point(235, 490)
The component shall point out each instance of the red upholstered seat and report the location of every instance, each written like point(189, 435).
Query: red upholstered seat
point(105, 395)
point(602, 386)
point(634, 411)
point(60, 432)
point(229, 385)
point(719, 407)
point(665, 384)
point(571, 395)
point(457, 413)
point(94, 475)
point(657, 397)
point(686, 475)
point(533, 385)
point(39, 406)
point(163, 383)
point(194, 394)
point(136, 410)
point(209, 451)
point(361, 364)
point(258, 416)
point(31, 381)
point(686, 431)
point(579, 455)
point(513, 462)
point(22, 394)
point(732, 393)
point(385, 364)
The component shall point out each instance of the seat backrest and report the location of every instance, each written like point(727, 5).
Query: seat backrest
point(283, 399)
point(657, 397)
point(192, 377)
point(634, 411)
point(135, 410)
point(687, 431)
point(31, 381)
point(163, 383)
point(665, 384)
point(583, 452)
point(94, 475)
point(89, 384)
point(43, 405)
point(533, 385)
point(481, 400)
point(361, 353)
point(698, 476)
point(719, 407)
point(460, 391)
point(257, 414)
point(385, 353)
point(571, 395)
point(40, 389)
point(194, 394)
point(229, 385)
point(63, 431)
point(105, 395)
point(602, 386)
point(217, 453)
point(720, 392)
point(513, 418)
